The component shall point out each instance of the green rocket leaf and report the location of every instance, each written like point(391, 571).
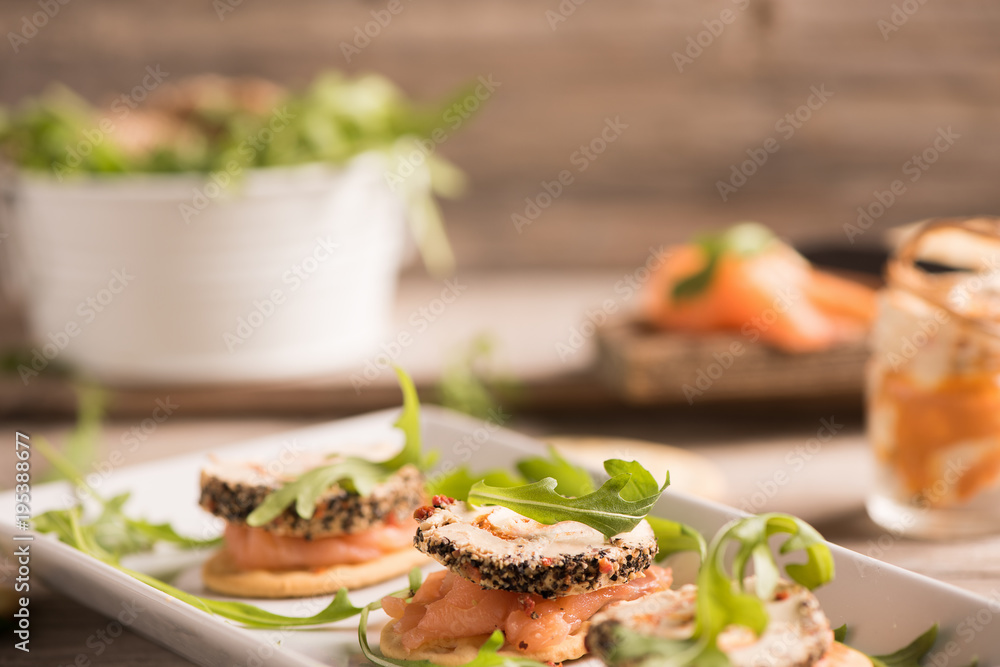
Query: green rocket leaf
point(607, 509)
point(356, 474)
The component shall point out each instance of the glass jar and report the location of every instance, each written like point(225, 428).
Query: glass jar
point(933, 385)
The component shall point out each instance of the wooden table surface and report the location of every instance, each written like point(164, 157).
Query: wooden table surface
point(828, 490)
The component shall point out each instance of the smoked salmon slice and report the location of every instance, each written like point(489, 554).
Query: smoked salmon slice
point(839, 655)
point(260, 549)
point(746, 280)
point(448, 606)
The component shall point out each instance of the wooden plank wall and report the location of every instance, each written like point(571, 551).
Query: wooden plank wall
point(891, 92)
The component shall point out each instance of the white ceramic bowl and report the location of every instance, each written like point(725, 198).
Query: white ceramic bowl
point(284, 273)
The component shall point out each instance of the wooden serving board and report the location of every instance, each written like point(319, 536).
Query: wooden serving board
point(647, 365)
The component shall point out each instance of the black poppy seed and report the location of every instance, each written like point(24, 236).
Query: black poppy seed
point(344, 513)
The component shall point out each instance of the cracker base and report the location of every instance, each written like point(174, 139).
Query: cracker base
point(221, 575)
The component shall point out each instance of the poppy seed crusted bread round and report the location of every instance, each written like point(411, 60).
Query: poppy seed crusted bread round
point(497, 548)
point(233, 490)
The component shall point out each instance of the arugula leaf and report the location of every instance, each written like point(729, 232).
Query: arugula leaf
point(120, 534)
point(629, 647)
point(164, 532)
point(744, 239)
point(641, 485)
point(696, 283)
point(673, 537)
point(908, 656)
point(68, 527)
point(247, 614)
point(722, 599)
point(60, 464)
point(416, 578)
point(571, 480)
point(911, 654)
point(332, 121)
point(409, 424)
point(487, 656)
point(84, 440)
point(470, 384)
point(354, 473)
point(605, 510)
point(114, 534)
point(457, 483)
point(752, 535)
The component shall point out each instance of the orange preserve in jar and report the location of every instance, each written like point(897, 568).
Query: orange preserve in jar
point(933, 388)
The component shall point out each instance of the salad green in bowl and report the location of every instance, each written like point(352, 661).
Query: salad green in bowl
point(221, 230)
point(223, 127)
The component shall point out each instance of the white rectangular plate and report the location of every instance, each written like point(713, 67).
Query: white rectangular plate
point(885, 606)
